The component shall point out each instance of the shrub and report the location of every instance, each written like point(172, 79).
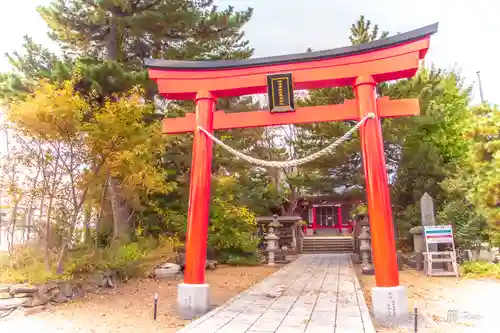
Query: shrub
point(132, 259)
point(470, 228)
point(481, 269)
point(26, 265)
point(232, 228)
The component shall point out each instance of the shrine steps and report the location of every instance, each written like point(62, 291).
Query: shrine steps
point(323, 244)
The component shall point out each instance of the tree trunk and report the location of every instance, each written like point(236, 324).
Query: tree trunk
point(112, 42)
point(293, 201)
point(13, 225)
point(64, 250)
point(40, 213)
point(120, 207)
point(100, 213)
point(47, 234)
point(86, 223)
point(28, 222)
point(77, 204)
point(122, 225)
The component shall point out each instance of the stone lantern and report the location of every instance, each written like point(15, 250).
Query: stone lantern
point(275, 223)
point(418, 246)
point(418, 239)
point(272, 245)
point(366, 250)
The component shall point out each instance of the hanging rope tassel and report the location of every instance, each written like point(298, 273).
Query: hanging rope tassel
point(291, 163)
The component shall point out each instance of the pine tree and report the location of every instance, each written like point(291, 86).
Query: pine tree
point(342, 169)
point(130, 30)
point(362, 32)
point(34, 63)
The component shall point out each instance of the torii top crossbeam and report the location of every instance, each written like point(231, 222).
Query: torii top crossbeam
point(386, 59)
point(361, 66)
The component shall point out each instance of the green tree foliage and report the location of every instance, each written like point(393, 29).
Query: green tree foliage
point(96, 78)
point(232, 225)
point(34, 63)
point(469, 227)
point(431, 144)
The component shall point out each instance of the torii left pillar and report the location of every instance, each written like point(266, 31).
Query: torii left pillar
point(193, 295)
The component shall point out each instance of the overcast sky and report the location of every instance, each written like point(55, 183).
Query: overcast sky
point(467, 36)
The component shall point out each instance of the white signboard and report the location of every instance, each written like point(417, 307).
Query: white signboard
point(438, 234)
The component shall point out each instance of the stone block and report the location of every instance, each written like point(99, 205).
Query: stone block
point(66, 288)
point(38, 299)
point(193, 300)
point(5, 295)
point(12, 303)
point(23, 288)
point(211, 264)
point(167, 271)
point(390, 304)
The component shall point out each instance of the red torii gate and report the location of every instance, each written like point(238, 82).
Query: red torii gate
point(361, 66)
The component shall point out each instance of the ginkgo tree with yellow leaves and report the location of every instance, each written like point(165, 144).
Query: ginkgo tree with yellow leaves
point(87, 143)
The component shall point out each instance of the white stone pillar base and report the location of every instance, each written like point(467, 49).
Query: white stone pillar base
point(390, 305)
point(193, 300)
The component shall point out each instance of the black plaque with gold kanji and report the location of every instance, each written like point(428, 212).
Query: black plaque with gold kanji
point(280, 92)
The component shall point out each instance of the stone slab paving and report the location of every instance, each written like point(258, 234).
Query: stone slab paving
point(315, 293)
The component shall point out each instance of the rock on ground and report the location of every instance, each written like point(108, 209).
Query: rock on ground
point(12, 303)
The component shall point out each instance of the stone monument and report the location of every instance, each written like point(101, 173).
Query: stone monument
point(427, 219)
point(427, 216)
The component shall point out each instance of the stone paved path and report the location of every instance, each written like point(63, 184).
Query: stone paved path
point(315, 293)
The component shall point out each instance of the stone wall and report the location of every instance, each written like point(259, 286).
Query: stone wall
point(16, 296)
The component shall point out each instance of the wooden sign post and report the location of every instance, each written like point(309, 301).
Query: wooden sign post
point(440, 234)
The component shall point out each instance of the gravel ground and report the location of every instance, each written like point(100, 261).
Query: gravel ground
point(446, 303)
point(129, 307)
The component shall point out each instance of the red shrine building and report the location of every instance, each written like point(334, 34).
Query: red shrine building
point(327, 214)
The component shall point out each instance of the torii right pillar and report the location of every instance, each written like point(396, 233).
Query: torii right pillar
point(389, 299)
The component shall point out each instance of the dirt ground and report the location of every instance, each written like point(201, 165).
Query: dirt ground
point(129, 307)
point(445, 304)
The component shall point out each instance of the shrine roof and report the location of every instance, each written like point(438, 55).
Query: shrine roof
point(295, 58)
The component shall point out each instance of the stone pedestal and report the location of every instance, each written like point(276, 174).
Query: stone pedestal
point(193, 300)
point(293, 229)
point(390, 305)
